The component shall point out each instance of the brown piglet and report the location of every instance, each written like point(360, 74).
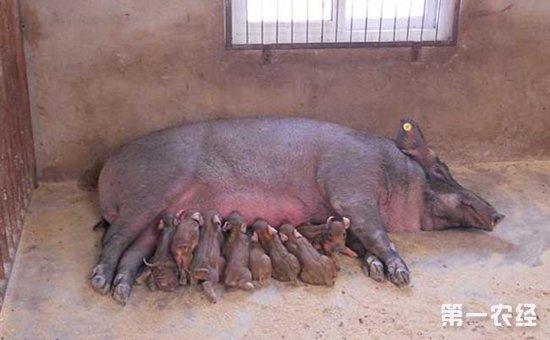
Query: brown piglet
point(285, 265)
point(208, 263)
point(317, 269)
point(162, 269)
point(260, 263)
point(329, 238)
point(236, 251)
point(184, 242)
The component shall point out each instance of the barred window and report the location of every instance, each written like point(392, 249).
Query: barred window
point(340, 23)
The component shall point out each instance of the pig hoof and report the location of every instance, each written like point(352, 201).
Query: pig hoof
point(212, 297)
point(121, 293)
point(398, 274)
point(247, 286)
point(99, 281)
point(373, 268)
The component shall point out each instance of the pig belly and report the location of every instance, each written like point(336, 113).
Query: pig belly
point(275, 208)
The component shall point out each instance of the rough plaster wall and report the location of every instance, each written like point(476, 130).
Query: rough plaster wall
point(103, 72)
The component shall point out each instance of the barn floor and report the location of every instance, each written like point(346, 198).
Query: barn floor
point(49, 295)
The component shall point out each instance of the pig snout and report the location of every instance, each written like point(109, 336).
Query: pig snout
point(490, 220)
point(495, 219)
point(490, 216)
point(338, 248)
point(184, 248)
point(479, 213)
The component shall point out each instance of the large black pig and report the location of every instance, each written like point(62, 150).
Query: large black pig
point(285, 169)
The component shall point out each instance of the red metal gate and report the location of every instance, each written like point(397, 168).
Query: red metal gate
point(17, 162)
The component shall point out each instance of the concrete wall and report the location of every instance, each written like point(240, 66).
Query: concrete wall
point(103, 72)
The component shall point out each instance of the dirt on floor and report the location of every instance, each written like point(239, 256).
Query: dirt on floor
point(49, 295)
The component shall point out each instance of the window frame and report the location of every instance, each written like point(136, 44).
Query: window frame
point(317, 26)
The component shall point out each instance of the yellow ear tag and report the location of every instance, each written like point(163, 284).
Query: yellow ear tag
point(407, 126)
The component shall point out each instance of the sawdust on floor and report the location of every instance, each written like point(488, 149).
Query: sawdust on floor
point(49, 295)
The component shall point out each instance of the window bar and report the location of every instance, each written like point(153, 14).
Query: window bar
point(337, 15)
point(229, 32)
point(307, 21)
point(277, 25)
point(322, 18)
point(246, 9)
point(409, 20)
point(394, 21)
point(291, 21)
point(262, 9)
point(423, 19)
point(366, 20)
point(380, 23)
point(437, 20)
point(351, 23)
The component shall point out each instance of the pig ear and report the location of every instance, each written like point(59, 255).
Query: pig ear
point(161, 224)
point(225, 226)
point(176, 221)
point(198, 217)
point(254, 237)
point(329, 220)
point(179, 216)
point(283, 237)
point(271, 230)
point(216, 219)
point(297, 234)
point(347, 222)
point(243, 228)
point(410, 141)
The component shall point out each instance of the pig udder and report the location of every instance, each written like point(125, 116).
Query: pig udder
point(272, 206)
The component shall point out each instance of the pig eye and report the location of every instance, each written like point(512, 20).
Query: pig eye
point(438, 171)
point(344, 234)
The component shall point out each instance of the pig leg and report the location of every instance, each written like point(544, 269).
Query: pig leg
point(221, 268)
point(119, 236)
point(370, 264)
point(335, 261)
point(379, 249)
point(192, 280)
point(143, 277)
point(208, 285)
point(348, 252)
point(183, 276)
point(348, 195)
point(131, 261)
point(151, 282)
point(245, 282)
point(368, 228)
point(104, 225)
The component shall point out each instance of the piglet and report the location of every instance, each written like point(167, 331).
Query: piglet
point(317, 269)
point(260, 263)
point(208, 263)
point(162, 272)
point(329, 238)
point(184, 242)
point(285, 265)
point(236, 251)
